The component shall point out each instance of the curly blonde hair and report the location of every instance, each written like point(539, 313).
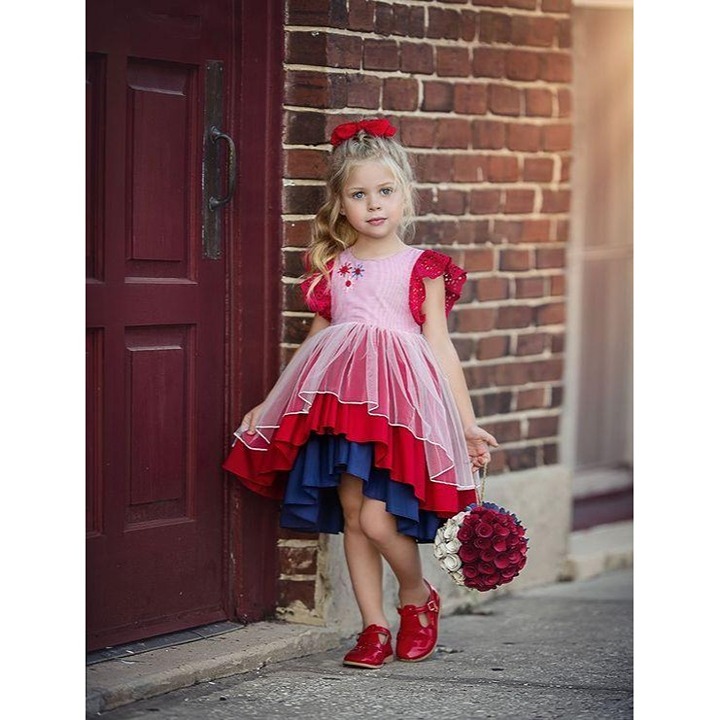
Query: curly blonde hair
point(331, 232)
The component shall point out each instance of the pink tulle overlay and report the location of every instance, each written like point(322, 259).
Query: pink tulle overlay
point(393, 375)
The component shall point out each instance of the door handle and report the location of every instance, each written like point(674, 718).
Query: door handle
point(216, 135)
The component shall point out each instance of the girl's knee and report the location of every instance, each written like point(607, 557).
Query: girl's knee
point(379, 527)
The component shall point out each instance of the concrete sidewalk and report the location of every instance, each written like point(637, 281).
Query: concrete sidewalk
point(554, 639)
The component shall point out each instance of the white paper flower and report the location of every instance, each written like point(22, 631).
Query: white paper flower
point(452, 546)
point(458, 577)
point(451, 563)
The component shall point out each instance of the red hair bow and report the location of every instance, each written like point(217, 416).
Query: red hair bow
point(378, 127)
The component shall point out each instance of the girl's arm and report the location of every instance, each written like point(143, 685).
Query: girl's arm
point(250, 420)
point(436, 333)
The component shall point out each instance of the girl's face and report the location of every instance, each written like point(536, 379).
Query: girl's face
point(372, 201)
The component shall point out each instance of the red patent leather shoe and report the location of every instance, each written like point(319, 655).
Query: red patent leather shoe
point(415, 642)
point(371, 651)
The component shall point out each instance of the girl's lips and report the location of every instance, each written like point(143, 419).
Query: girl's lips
point(376, 221)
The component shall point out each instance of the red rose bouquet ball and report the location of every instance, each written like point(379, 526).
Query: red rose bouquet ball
point(483, 547)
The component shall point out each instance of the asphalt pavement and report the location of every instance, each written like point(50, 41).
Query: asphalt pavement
point(560, 651)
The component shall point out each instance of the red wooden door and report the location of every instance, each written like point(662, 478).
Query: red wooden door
point(159, 71)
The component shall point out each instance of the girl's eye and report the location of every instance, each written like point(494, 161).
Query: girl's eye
point(386, 191)
point(358, 195)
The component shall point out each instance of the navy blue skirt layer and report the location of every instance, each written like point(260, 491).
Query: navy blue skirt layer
point(311, 502)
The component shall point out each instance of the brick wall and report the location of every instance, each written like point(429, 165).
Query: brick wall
point(480, 92)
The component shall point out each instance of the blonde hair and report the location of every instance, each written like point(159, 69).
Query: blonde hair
point(331, 232)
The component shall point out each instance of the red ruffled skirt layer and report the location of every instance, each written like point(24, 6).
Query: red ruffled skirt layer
point(264, 468)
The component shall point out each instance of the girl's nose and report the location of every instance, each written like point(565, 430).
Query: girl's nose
point(373, 202)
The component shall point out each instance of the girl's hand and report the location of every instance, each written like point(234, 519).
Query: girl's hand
point(478, 443)
point(249, 421)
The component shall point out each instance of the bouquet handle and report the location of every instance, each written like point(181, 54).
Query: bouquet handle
point(480, 484)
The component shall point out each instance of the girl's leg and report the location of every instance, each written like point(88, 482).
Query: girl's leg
point(401, 552)
point(362, 556)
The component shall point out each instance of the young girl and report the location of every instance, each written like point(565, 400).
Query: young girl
point(370, 429)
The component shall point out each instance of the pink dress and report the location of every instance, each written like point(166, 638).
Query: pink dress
point(372, 379)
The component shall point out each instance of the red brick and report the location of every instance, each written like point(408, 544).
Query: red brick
point(538, 102)
point(474, 319)
point(530, 399)
point(384, 19)
point(535, 31)
point(363, 91)
point(557, 285)
point(494, 346)
point(504, 431)
point(305, 48)
point(522, 65)
point(489, 3)
point(522, 4)
point(558, 343)
point(453, 133)
point(550, 258)
point(425, 201)
point(452, 62)
point(546, 370)
point(538, 169)
point(503, 168)
point(293, 299)
point(514, 316)
point(519, 201)
point(305, 128)
point(565, 165)
point(536, 231)
point(555, 201)
point(511, 373)
point(381, 55)
point(297, 560)
point(564, 102)
point(344, 51)
point(493, 288)
point(443, 23)
point(494, 28)
point(504, 100)
point(547, 426)
point(470, 98)
point(417, 132)
point(556, 67)
point(488, 62)
point(562, 230)
point(551, 314)
point(518, 459)
point(417, 58)
point(296, 233)
point(434, 232)
point(479, 260)
point(522, 137)
point(303, 199)
point(400, 94)
point(533, 343)
point(307, 12)
point(295, 329)
point(472, 232)
point(557, 137)
point(565, 33)
point(468, 25)
point(436, 167)
point(438, 96)
point(464, 348)
point(397, 19)
point(529, 287)
point(488, 134)
point(507, 231)
point(515, 259)
point(361, 15)
point(306, 164)
point(556, 6)
point(307, 88)
point(451, 202)
point(291, 591)
point(484, 202)
point(469, 168)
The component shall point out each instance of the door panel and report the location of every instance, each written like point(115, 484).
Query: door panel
point(156, 324)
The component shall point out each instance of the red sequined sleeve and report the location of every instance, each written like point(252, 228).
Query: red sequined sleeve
point(319, 300)
point(432, 264)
